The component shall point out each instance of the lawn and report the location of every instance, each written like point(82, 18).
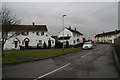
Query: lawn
point(12, 56)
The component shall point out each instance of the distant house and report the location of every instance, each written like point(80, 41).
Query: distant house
point(107, 37)
point(30, 36)
point(72, 36)
point(55, 37)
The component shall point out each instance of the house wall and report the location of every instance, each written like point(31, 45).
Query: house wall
point(118, 34)
point(106, 39)
point(9, 44)
point(71, 40)
point(34, 39)
point(66, 31)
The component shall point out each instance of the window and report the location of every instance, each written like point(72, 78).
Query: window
point(52, 41)
point(22, 33)
point(74, 41)
point(40, 43)
point(67, 34)
point(37, 33)
point(17, 33)
point(42, 33)
point(25, 33)
point(78, 40)
point(73, 34)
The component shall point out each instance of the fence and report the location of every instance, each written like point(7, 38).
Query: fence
point(117, 50)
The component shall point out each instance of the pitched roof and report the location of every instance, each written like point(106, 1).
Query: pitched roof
point(30, 28)
point(65, 38)
point(74, 31)
point(55, 37)
point(108, 33)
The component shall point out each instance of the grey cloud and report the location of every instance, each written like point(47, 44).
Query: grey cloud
point(88, 17)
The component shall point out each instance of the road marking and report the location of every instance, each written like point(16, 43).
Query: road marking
point(85, 55)
point(89, 53)
point(97, 48)
point(53, 71)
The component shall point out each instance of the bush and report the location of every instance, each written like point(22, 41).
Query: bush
point(58, 44)
point(44, 45)
point(67, 44)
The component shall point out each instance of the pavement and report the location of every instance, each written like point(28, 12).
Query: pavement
point(94, 63)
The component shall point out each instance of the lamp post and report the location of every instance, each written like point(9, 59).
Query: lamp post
point(63, 28)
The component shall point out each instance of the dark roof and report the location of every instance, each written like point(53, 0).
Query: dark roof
point(55, 37)
point(65, 38)
point(74, 31)
point(30, 28)
point(108, 33)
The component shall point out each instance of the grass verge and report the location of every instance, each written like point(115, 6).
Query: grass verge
point(12, 56)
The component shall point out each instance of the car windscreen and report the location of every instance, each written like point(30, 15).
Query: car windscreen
point(87, 43)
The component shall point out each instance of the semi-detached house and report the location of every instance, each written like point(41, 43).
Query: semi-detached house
point(29, 36)
point(72, 36)
point(106, 37)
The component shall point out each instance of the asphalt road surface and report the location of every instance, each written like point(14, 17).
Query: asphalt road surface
point(95, 63)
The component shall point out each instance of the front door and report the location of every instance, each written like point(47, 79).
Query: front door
point(16, 44)
point(49, 43)
point(26, 44)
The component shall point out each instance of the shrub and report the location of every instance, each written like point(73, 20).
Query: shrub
point(44, 45)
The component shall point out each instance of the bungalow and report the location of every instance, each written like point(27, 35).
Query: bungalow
point(29, 36)
point(72, 36)
point(107, 37)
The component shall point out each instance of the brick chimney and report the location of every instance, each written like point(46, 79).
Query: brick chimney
point(33, 23)
point(69, 27)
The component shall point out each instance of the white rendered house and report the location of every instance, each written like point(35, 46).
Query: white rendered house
point(107, 37)
point(30, 36)
point(73, 36)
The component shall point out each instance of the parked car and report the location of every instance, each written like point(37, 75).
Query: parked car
point(87, 45)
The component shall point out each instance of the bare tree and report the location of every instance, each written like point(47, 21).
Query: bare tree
point(8, 24)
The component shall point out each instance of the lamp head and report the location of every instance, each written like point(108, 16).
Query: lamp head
point(64, 15)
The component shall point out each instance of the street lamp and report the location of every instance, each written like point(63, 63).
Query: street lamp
point(63, 28)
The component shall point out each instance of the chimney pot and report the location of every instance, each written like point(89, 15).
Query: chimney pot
point(69, 27)
point(75, 29)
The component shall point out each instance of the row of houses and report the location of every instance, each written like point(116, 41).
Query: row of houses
point(37, 36)
point(106, 37)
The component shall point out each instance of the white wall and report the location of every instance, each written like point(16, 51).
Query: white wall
point(34, 39)
point(71, 40)
point(66, 31)
point(108, 38)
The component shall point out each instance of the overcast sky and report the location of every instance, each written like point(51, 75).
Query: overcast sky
point(88, 17)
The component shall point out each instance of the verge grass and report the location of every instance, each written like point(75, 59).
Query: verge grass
point(12, 56)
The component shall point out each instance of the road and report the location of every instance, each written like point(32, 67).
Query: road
point(95, 63)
